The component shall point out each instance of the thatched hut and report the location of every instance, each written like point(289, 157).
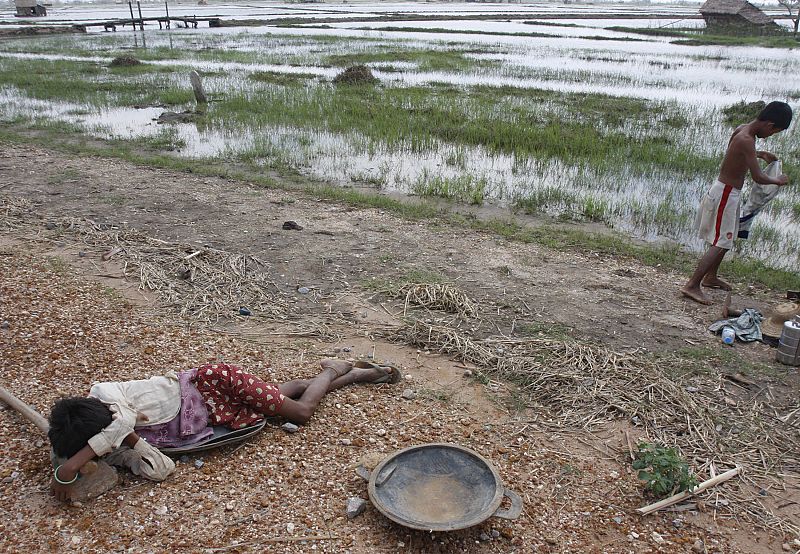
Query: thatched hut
point(29, 8)
point(738, 16)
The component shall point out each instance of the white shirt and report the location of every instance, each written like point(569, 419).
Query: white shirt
point(135, 404)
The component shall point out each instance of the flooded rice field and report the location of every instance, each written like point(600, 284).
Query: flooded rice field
point(568, 110)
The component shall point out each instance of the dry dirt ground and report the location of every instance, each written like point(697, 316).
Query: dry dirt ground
point(69, 317)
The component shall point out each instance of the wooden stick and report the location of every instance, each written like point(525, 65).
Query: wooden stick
point(27, 412)
point(674, 499)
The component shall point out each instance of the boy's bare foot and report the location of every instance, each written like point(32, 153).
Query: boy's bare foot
point(717, 283)
point(369, 372)
point(696, 295)
point(341, 367)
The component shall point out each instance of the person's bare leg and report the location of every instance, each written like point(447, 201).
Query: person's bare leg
point(295, 389)
point(300, 409)
point(708, 265)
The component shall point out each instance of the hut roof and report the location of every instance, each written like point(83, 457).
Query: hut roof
point(741, 8)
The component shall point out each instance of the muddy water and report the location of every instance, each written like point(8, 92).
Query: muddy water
point(437, 499)
point(700, 81)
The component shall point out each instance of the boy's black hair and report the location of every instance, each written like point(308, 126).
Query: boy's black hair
point(779, 113)
point(73, 421)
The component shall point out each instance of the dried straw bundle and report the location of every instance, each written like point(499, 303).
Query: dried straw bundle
point(436, 296)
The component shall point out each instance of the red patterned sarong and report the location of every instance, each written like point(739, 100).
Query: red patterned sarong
point(234, 398)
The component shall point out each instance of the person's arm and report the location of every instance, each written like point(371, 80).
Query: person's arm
point(747, 150)
point(768, 157)
point(65, 475)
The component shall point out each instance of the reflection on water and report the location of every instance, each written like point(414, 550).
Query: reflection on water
point(655, 205)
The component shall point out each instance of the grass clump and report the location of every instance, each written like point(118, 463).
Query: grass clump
point(356, 75)
point(742, 112)
point(124, 61)
point(463, 188)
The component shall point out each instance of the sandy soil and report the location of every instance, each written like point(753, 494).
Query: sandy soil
point(70, 317)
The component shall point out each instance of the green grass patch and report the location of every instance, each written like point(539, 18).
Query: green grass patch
point(699, 37)
point(463, 188)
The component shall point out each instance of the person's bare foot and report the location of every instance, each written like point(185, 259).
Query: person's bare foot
point(375, 373)
point(696, 295)
point(717, 283)
point(340, 367)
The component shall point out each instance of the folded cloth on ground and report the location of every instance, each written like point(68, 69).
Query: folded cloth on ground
point(759, 196)
point(747, 326)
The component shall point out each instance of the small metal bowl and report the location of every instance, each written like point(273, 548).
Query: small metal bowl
point(438, 487)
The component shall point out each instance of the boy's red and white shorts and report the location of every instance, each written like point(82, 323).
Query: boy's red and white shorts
point(717, 220)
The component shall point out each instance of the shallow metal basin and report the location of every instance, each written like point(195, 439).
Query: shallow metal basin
point(439, 487)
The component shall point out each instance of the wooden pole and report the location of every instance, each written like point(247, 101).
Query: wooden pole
point(166, 7)
point(197, 87)
point(133, 20)
point(141, 19)
point(27, 412)
point(686, 494)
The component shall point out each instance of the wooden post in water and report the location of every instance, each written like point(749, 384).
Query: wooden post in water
point(199, 93)
point(141, 19)
point(133, 20)
point(166, 7)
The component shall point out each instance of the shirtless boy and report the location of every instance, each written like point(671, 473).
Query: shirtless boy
point(718, 218)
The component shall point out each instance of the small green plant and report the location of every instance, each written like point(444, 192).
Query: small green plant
point(663, 470)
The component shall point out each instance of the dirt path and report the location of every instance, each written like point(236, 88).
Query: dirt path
point(73, 319)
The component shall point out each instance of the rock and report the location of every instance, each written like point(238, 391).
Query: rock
point(467, 373)
point(495, 534)
point(698, 546)
point(199, 463)
point(161, 511)
point(91, 486)
point(49, 225)
point(184, 459)
point(381, 432)
point(244, 311)
point(290, 528)
point(484, 537)
point(303, 290)
point(5, 325)
point(291, 226)
point(658, 538)
point(677, 523)
point(347, 349)
point(786, 547)
point(355, 506)
point(618, 519)
point(345, 442)
point(290, 427)
point(692, 389)
point(409, 394)
point(230, 506)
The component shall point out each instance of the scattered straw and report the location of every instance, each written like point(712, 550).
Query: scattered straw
point(587, 386)
point(203, 284)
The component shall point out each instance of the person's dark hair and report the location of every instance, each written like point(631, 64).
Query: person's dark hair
point(73, 421)
point(779, 113)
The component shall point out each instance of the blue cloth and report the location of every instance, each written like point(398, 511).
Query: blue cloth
point(747, 326)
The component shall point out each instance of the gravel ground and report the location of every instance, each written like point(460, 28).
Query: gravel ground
point(59, 332)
